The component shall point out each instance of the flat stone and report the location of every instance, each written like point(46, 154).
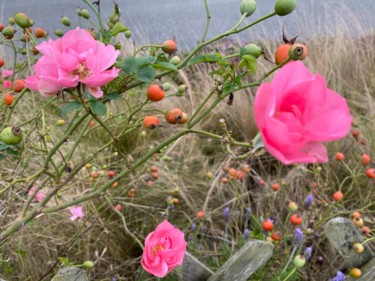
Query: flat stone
point(342, 234)
point(192, 270)
point(244, 262)
point(70, 274)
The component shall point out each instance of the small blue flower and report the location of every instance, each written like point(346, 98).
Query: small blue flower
point(309, 200)
point(298, 237)
point(248, 213)
point(192, 227)
point(308, 253)
point(339, 276)
point(246, 233)
point(226, 214)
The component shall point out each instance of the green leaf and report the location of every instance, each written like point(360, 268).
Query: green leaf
point(250, 62)
point(2, 156)
point(113, 96)
point(145, 73)
point(164, 65)
point(228, 87)
point(258, 146)
point(146, 60)
point(98, 108)
point(118, 28)
point(130, 65)
point(107, 37)
point(75, 105)
point(204, 58)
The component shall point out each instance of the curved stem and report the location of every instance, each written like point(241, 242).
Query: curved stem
point(208, 13)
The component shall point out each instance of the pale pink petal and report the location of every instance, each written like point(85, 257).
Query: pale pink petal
point(78, 39)
point(95, 92)
point(6, 73)
point(102, 59)
point(101, 79)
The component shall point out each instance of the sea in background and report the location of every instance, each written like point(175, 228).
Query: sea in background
point(153, 21)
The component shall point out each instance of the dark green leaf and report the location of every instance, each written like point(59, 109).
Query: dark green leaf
point(130, 65)
point(164, 65)
point(145, 60)
point(204, 58)
point(113, 96)
point(228, 87)
point(145, 73)
point(98, 108)
point(75, 105)
point(107, 37)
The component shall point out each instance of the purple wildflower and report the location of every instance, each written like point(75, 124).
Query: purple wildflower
point(309, 200)
point(298, 237)
point(248, 213)
point(339, 276)
point(226, 214)
point(246, 234)
point(308, 253)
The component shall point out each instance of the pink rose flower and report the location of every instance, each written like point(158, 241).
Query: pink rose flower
point(165, 249)
point(76, 57)
point(297, 112)
point(6, 73)
point(7, 84)
point(77, 213)
point(39, 196)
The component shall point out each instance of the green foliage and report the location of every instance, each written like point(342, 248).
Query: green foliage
point(68, 107)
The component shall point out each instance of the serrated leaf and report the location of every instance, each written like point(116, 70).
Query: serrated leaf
point(107, 37)
point(118, 28)
point(146, 60)
point(98, 108)
point(130, 65)
point(204, 58)
point(145, 73)
point(113, 96)
point(164, 65)
point(250, 62)
point(75, 105)
point(228, 87)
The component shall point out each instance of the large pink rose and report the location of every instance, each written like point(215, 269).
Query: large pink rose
point(297, 112)
point(76, 57)
point(165, 249)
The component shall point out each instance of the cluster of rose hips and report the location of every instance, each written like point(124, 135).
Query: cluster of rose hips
point(233, 174)
point(155, 93)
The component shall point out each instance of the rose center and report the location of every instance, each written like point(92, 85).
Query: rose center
point(156, 248)
point(82, 71)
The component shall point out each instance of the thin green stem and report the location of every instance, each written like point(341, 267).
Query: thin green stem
point(208, 13)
